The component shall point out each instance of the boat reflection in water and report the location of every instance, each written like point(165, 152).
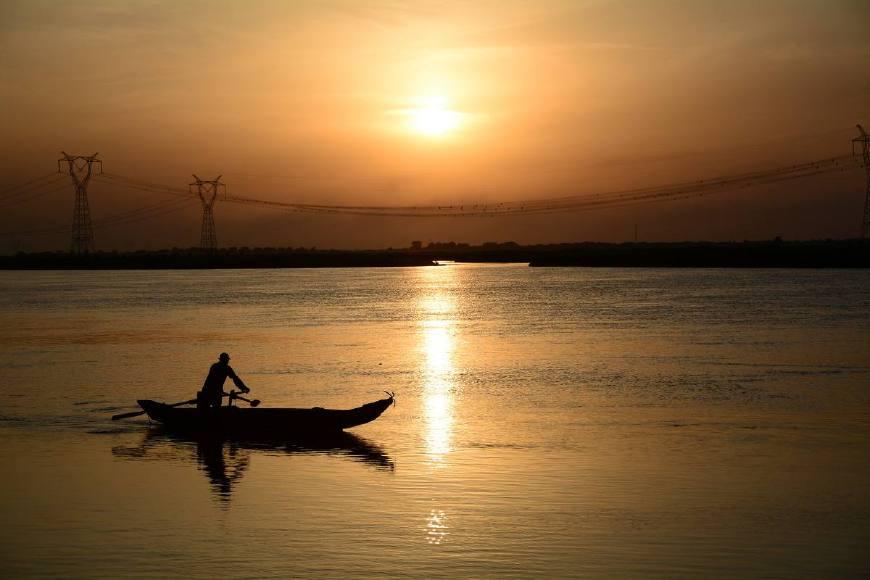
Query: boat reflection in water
point(223, 463)
point(224, 460)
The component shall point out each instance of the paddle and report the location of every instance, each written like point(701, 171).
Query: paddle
point(232, 394)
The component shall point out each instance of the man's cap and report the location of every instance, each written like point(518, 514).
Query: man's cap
point(224, 356)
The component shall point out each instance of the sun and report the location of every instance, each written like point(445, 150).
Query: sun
point(433, 117)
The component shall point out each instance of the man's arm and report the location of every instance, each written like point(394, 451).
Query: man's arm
point(237, 381)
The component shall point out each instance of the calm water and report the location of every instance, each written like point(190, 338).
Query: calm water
point(549, 423)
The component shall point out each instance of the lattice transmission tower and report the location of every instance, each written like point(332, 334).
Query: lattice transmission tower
point(864, 142)
point(208, 192)
point(80, 169)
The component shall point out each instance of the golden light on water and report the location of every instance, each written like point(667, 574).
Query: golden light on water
point(439, 419)
point(438, 398)
point(438, 344)
point(436, 526)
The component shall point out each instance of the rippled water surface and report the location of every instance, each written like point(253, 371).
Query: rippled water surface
point(602, 423)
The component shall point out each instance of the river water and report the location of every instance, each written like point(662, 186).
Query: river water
point(601, 423)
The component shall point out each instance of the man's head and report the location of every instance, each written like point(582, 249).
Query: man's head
point(224, 358)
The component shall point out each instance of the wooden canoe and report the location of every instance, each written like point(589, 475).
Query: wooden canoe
point(277, 422)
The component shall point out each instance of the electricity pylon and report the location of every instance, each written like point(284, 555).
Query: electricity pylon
point(80, 168)
point(864, 141)
point(208, 192)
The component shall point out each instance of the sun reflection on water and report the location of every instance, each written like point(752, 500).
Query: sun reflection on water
point(436, 526)
point(437, 328)
point(438, 344)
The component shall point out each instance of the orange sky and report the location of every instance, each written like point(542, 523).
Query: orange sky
point(318, 102)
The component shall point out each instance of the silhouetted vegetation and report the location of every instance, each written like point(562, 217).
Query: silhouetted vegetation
point(768, 254)
point(775, 253)
point(194, 258)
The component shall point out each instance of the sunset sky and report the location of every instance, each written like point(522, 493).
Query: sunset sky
point(398, 103)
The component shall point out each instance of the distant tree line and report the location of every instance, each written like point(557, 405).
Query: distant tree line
point(747, 254)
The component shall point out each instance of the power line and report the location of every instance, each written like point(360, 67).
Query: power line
point(144, 185)
point(29, 186)
point(206, 192)
point(137, 213)
point(577, 202)
point(572, 203)
point(120, 218)
point(28, 195)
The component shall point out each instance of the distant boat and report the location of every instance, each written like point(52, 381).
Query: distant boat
point(241, 422)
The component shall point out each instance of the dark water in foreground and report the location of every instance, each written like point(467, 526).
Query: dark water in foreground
point(550, 423)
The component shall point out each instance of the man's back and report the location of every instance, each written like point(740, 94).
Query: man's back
point(217, 375)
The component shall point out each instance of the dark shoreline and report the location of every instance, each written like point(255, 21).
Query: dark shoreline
point(853, 253)
point(769, 254)
point(218, 260)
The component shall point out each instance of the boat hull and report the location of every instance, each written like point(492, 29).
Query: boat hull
point(239, 421)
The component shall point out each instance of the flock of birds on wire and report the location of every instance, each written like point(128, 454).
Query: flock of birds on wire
point(181, 198)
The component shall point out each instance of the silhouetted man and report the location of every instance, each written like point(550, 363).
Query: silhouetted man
point(213, 387)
